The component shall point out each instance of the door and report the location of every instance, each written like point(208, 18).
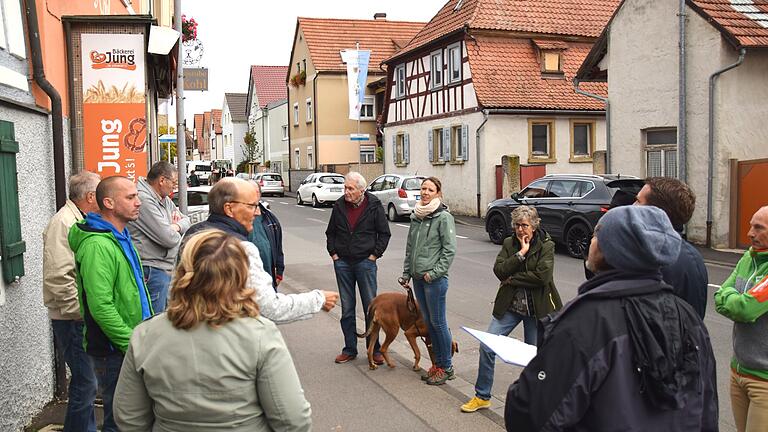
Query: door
point(751, 195)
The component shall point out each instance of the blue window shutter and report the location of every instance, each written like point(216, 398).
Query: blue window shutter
point(430, 145)
point(406, 148)
point(465, 142)
point(447, 144)
point(12, 247)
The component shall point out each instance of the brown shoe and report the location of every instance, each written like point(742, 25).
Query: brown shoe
point(378, 359)
point(343, 358)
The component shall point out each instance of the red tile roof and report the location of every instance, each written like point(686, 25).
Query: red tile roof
point(325, 38)
point(269, 82)
point(556, 17)
point(199, 127)
point(507, 74)
point(743, 22)
point(216, 114)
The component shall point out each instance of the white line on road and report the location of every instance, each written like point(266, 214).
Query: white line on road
point(713, 286)
point(283, 202)
point(316, 220)
point(404, 226)
point(316, 209)
point(461, 237)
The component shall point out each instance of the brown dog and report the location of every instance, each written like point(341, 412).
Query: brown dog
point(390, 311)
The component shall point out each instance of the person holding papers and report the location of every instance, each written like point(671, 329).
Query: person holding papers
point(626, 354)
point(527, 293)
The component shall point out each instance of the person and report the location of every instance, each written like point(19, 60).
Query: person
point(357, 235)
point(267, 235)
point(110, 285)
point(626, 354)
point(242, 377)
point(527, 293)
point(620, 198)
point(194, 179)
point(743, 298)
point(158, 230)
point(232, 204)
point(60, 297)
point(429, 252)
point(686, 274)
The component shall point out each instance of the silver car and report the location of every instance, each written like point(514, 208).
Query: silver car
point(271, 183)
point(398, 193)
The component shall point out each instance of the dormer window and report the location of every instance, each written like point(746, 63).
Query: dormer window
point(551, 56)
point(551, 61)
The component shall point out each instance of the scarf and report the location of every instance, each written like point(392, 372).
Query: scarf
point(423, 211)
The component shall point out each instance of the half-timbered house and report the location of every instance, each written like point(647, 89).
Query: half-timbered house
point(485, 79)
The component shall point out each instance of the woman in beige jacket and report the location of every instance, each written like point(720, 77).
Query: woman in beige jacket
point(210, 362)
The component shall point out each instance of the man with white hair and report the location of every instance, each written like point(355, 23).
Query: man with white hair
point(357, 235)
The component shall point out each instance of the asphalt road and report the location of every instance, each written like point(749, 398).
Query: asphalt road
point(349, 397)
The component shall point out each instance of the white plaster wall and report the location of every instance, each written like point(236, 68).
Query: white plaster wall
point(239, 130)
point(278, 148)
point(26, 351)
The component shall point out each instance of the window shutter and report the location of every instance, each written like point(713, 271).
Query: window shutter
point(406, 148)
point(447, 144)
point(430, 146)
point(12, 247)
point(394, 149)
point(465, 142)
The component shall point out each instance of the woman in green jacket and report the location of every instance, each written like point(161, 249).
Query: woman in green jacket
point(527, 293)
point(210, 362)
point(428, 255)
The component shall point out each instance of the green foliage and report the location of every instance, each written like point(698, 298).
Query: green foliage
point(251, 148)
point(164, 153)
point(162, 130)
point(379, 154)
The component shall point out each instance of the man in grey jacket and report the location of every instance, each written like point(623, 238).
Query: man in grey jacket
point(158, 231)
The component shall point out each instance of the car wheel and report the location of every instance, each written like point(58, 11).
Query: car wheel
point(497, 228)
point(391, 213)
point(282, 194)
point(577, 240)
point(298, 198)
point(315, 202)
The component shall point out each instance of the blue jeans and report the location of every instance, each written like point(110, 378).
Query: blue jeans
point(431, 298)
point(157, 282)
point(107, 371)
point(364, 274)
point(68, 336)
point(504, 326)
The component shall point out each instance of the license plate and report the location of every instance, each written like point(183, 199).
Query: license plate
point(273, 183)
point(335, 189)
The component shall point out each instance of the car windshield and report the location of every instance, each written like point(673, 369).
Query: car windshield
point(202, 167)
point(412, 183)
point(332, 179)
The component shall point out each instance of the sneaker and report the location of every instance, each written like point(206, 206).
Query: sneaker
point(378, 359)
point(475, 404)
point(450, 373)
point(343, 358)
point(438, 378)
point(429, 373)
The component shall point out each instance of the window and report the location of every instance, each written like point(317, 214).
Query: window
point(537, 189)
point(285, 132)
point(438, 144)
point(582, 140)
point(400, 81)
point(459, 143)
point(12, 246)
point(12, 26)
point(436, 69)
point(401, 149)
point(541, 140)
point(564, 188)
point(366, 111)
point(310, 158)
point(296, 114)
point(661, 152)
point(377, 184)
point(389, 183)
point(454, 63)
point(367, 153)
point(296, 159)
point(551, 61)
point(309, 110)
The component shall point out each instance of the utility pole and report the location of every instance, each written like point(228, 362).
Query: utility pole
point(181, 128)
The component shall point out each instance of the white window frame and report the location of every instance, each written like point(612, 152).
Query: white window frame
point(368, 101)
point(400, 81)
point(297, 158)
point(436, 69)
point(12, 28)
point(665, 151)
point(370, 153)
point(308, 104)
point(295, 113)
point(310, 158)
point(452, 63)
point(285, 132)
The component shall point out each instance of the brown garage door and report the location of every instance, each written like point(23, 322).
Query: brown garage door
point(752, 194)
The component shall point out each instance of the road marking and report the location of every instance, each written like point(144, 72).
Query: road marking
point(713, 286)
point(461, 237)
point(299, 205)
point(316, 220)
point(283, 202)
point(317, 209)
point(404, 226)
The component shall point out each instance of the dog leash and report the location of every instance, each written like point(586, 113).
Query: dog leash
point(410, 302)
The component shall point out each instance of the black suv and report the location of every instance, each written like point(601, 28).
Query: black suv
point(569, 206)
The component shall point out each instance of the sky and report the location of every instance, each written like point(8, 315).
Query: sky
point(239, 33)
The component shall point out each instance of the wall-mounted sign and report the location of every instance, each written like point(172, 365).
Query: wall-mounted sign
point(195, 79)
point(114, 110)
point(359, 137)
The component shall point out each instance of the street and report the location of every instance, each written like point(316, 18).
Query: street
point(349, 397)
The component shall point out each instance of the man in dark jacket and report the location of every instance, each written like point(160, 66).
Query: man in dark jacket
point(357, 235)
point(626, 354)
point(267, 235)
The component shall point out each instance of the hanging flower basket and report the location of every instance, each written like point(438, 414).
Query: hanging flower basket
point(188, 29)
point(299, 79)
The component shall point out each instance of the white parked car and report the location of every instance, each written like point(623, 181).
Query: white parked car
point(197, 202)
point(398, 193)
point(320, 188)
point(271, 183)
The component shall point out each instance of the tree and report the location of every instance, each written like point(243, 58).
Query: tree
point(162, 130)
point(252, 148)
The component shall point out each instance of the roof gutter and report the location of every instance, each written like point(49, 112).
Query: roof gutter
point(607, 121)
point(38, 73)
point(477, 159)
point(711, 115)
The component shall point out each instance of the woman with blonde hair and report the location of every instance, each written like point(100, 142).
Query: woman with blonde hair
point(210, 362)
point(429, 253)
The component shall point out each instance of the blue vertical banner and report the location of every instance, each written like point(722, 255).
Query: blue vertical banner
point(357, 77)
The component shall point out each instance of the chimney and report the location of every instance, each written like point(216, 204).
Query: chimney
point(380, 16)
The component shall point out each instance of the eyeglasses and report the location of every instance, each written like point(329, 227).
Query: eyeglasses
point(251, 205)
point(174, 182)
point(524, 226)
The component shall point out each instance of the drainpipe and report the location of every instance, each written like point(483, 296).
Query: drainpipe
point(314, 116)
point(38, 73)
point(682, 140)
point(477, 158)
point(711, 155)
point(576, 83)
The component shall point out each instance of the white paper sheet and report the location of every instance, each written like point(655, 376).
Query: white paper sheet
point(510, 350)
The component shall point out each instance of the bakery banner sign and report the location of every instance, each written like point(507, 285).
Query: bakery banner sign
point(114, 109)
point(357, 76)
